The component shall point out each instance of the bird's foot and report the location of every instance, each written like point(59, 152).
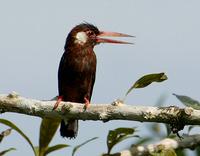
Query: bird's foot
point(86, 104)
point(59, 99)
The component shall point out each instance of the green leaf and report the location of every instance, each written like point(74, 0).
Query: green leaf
point(78, 146)
point(118, 135)
point(13, 126)
point(54, 148)
point(181, 152)
point(188, 101)
point(48, 129)
point(147, 80)
point(6, 151)
point(5, 133)
point(36, 148)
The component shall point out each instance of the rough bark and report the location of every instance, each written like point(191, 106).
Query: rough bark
point(105, 112)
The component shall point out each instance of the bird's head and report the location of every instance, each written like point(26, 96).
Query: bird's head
point(88, 35)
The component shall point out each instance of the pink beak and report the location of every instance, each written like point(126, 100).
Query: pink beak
point(111, 34)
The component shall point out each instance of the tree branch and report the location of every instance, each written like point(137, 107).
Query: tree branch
point(188, 141)
point(105, 112)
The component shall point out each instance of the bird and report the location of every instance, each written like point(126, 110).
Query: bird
point(77, 69)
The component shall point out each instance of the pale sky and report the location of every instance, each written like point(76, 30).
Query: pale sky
point(32, 37)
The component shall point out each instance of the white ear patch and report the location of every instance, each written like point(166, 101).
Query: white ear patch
point(81, 38)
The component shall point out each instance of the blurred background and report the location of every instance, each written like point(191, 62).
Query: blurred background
point(32, 38)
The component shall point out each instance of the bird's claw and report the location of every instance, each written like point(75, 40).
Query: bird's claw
point(86, 104)
point(59, 99)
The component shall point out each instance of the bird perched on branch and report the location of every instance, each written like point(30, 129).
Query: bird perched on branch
point(77, 69)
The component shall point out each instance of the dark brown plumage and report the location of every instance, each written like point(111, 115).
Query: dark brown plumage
point(76, 74)
point(77, 69)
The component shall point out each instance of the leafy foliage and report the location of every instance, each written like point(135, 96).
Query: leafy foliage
point(13, 126)
point(147, 80)
point(54, 148)
point(48, 129)
point(116, 136)
point(6, 151)
point(2, 135)
point(5, 133)
point(188, 101)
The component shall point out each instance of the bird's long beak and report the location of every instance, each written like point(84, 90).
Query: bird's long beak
point(111, 34)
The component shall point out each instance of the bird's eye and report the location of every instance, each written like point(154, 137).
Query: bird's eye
point(90, 33)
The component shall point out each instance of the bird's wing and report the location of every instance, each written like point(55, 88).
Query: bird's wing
point(92, 85)
point(61, 69)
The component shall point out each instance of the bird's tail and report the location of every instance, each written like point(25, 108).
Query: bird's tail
point(69, 129)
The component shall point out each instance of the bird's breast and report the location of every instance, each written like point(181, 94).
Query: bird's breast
point(76, 75)
point(76, 67)
point(83, 62)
